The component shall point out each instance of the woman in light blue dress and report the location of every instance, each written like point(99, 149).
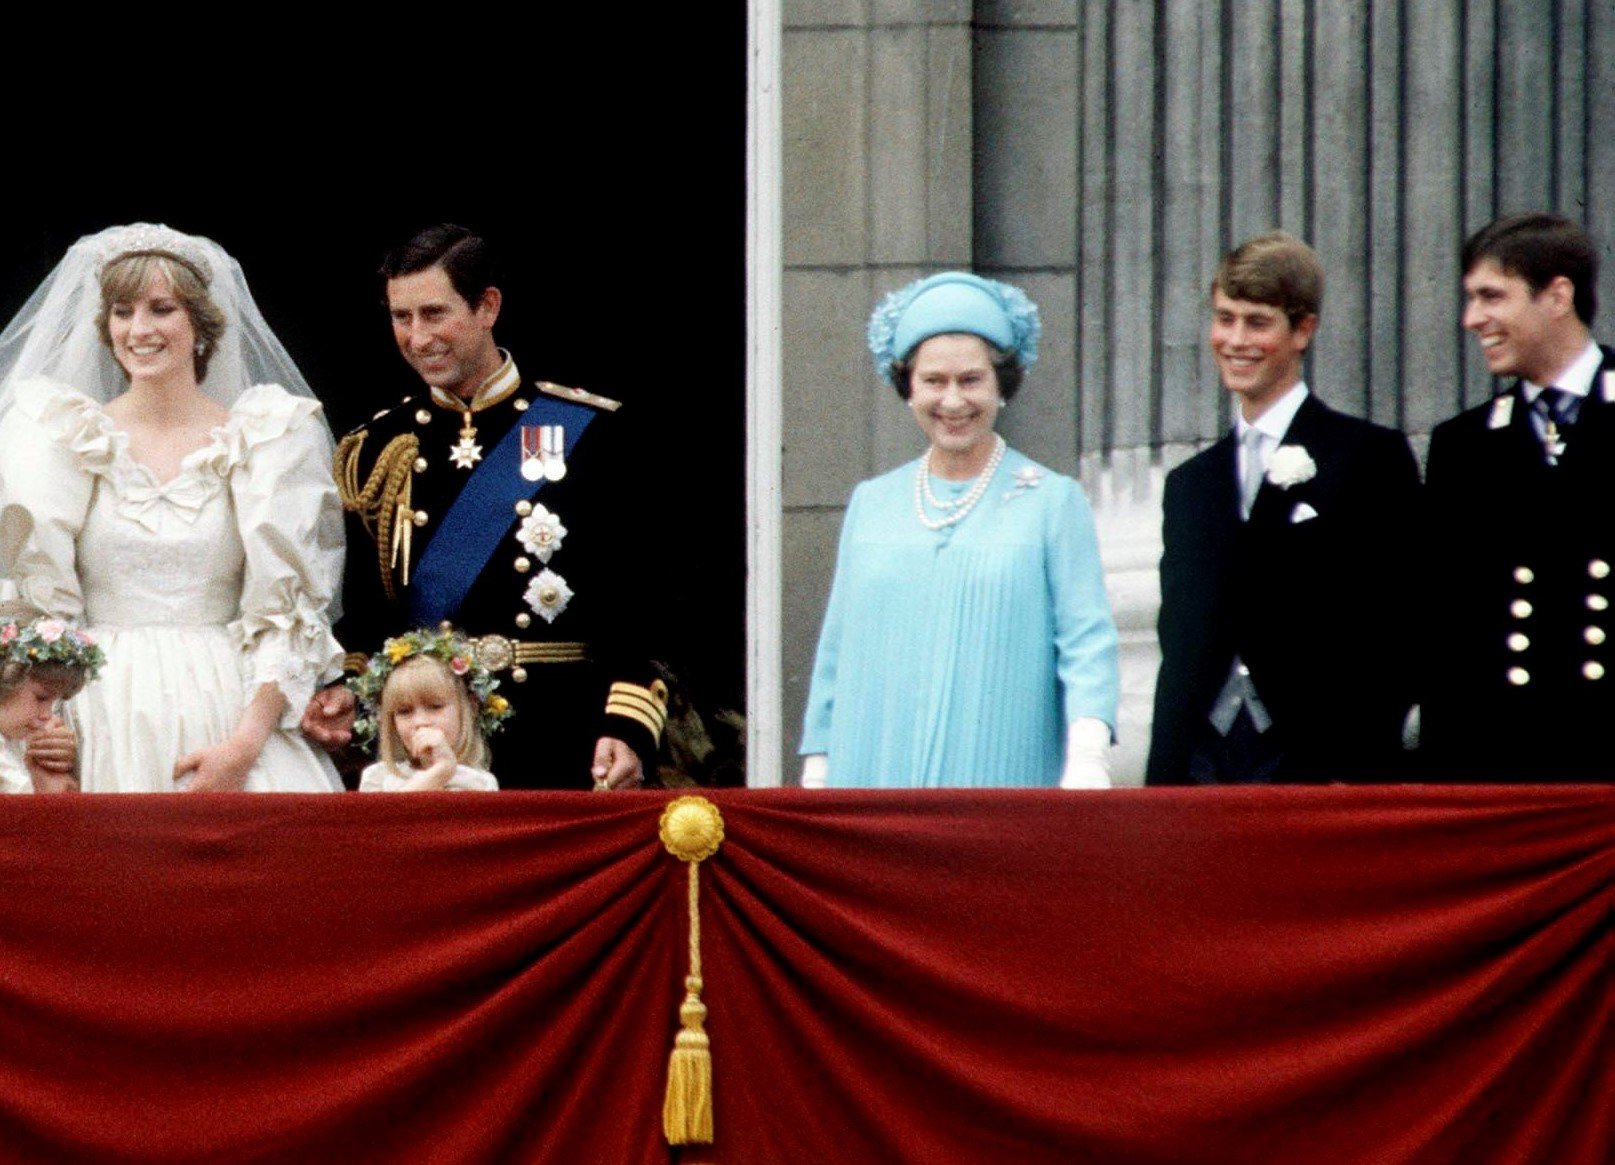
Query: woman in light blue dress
point(968, 639)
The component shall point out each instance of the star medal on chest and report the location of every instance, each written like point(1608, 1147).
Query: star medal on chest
point(466, 452)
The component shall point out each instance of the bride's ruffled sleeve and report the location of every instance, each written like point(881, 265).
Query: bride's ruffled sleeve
point(291, 526)
point(52, 442)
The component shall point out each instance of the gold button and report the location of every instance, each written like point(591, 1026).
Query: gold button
point(419, 518)
point(1518, 642)
point(1594, 635)
point(1524, 574)
point(549, 596)
point(523, 508)
point(519, 674)
point(524, 620)
point(423, 417)
point(1520, 609)
point(420, 465)
point(523, 563)
point(1593, 670)
point(1598, 568)
point(1597, 603)
point(1518, 676)
point(521, 405)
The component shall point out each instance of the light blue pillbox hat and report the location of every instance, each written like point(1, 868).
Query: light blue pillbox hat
point(953, 301)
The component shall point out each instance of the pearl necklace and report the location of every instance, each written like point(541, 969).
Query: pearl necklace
point(961, 508)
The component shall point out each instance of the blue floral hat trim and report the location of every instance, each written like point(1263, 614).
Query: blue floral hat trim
point(953, 301)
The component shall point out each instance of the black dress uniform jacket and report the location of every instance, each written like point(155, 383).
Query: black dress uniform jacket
point(1310, 593)
point(584, 675)
point(1520, 677)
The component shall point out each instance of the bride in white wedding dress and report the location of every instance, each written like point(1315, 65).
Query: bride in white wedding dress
point(165, 479)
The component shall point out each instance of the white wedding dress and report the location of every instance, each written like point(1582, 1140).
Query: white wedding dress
point(199, 589)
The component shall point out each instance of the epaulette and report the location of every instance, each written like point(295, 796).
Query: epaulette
point(581, 395)
point(380, 415)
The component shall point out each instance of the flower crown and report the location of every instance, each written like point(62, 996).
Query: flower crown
point(445, 644)
point(34, 641)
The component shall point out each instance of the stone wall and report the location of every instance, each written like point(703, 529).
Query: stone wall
point(1103, 154)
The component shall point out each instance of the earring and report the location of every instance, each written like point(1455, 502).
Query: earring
point(200, 347)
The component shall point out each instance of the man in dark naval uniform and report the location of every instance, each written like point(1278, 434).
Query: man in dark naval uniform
point(502, 507)
point(1520, 679)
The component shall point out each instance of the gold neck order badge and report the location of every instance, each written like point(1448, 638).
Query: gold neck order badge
point(466, 452)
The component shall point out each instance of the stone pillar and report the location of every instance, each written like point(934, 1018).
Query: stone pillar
point(877, 191)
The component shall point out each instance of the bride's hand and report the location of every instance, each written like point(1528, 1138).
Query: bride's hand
point(218, 768)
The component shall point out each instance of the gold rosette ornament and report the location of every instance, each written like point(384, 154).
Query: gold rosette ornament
point(692, 831)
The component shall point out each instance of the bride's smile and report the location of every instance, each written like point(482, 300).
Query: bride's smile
point(152, 335)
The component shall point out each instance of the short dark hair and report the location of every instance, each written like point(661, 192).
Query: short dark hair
point(1276, 269)
point(1539, 248)
point(465, 258)
point(1006, 366)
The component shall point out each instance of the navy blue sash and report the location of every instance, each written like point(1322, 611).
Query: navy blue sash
point(482, 513)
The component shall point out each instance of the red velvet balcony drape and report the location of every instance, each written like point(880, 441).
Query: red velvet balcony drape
point(1241, 975)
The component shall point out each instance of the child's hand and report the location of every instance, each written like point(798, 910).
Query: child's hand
point(52, 749)
point(51, 758)
point(426, 743)
point(430, 751)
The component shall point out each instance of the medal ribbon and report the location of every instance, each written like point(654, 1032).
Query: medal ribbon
point(466, 539)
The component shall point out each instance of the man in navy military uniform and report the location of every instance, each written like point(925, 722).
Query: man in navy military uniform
point(1519, 682)
point(503, 507)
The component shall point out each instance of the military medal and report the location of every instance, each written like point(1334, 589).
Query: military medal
point(1552, 443)
point(532, 463)
point(466, 452)
point(547, 594)
point(554, 443)
point(541, 533)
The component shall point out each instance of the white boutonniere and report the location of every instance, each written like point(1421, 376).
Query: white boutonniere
point(1027, 477)
point(1290, 465)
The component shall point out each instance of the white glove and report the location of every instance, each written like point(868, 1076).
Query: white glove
point(815, 770)
point(1087, 755)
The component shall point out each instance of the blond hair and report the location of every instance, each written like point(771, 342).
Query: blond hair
point(419, 677)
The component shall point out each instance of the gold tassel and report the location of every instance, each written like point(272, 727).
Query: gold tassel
point(692, 830)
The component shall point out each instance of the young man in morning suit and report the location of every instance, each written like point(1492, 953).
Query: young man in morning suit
point(1283, 627)
point(513, 509)
point(1520, 681)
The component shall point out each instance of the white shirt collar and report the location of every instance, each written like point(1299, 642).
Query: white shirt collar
point(1276, 418)
point(1577, 379)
